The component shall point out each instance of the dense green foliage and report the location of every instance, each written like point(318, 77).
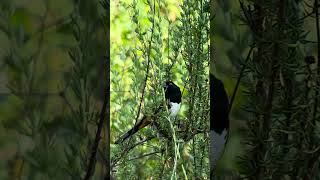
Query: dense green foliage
point(280, 84)
point(161, 40)
point(53, 56)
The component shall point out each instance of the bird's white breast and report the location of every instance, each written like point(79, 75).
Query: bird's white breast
point(174, 109)
point(217, 145)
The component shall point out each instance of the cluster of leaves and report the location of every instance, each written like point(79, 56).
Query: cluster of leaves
point(274, 50)
point(53, 74)
point(165, 46)
point(281, 90)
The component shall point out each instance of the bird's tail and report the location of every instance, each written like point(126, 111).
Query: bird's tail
point(125, 136)
point(146, 120)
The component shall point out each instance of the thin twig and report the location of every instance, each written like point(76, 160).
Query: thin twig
point(141, 142)
point(239, 79)
point(105, 113)
point(312, 151)
point(115, 161)
point(94, 150)
point(147, 71)
point(307, 15)
point(46, 27)
point(315, 110)
point(176, 149)
point(144, 155)
point(148, 67)
point(62, 95)
point(21, 169)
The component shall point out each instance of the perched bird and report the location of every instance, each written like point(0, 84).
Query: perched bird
point(219, 121)
point(173, 98)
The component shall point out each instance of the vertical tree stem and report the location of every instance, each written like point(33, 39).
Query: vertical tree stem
point(315, 110)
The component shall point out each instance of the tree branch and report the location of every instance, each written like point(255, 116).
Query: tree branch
point(148, 67)
point(144, 155)
point(315, 110)
point(105, 111)
point(94, 149)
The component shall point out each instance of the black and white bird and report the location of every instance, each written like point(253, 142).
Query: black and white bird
point(173, 98)
point(219, 121)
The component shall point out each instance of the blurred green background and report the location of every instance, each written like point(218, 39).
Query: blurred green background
point(52, 60)
point(232, 41)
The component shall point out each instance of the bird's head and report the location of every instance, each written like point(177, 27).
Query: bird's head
point(168, 84)
point(172, 91)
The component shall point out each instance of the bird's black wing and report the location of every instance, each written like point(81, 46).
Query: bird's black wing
point(219, 106)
